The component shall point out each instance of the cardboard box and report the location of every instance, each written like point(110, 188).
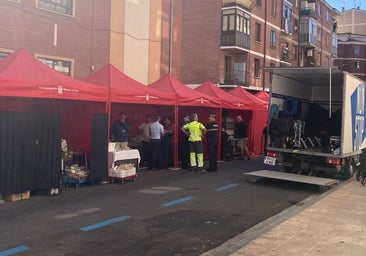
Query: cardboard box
point(17, 197)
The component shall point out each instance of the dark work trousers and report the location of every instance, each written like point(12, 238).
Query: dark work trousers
point(155, 148)
point(146, 154)
point(184, 153)
point(212, 157)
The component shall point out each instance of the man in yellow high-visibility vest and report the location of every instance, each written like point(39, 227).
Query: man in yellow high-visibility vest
point(195, 130)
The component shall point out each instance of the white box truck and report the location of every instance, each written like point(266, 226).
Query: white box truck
point(316, 123)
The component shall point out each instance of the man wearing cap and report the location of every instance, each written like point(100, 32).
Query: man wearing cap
point(184, 145)
point(212, 138)
point(195, 131)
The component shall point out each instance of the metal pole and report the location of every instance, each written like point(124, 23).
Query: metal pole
point(170, 37)
point(330, 92)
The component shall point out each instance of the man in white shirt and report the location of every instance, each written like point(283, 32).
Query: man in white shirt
point(156, 131)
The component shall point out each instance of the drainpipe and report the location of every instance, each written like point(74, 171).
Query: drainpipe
point(170, 37)
point(264, 45)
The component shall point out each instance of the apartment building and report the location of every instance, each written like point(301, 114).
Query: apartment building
point(229, 41)
point(224, 41)
point(352, 42)
point(77, 37)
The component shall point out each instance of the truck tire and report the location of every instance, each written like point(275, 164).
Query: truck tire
point(348, 169)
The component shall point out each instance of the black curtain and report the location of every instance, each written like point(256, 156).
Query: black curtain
point(17, 152)
point(98, 148)
point(48, 169)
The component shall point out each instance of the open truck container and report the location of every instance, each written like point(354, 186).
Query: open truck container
point(316, 123)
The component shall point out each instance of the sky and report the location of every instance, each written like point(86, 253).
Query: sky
point(348, 4)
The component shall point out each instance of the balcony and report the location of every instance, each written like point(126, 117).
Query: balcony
point(235, 39)
point(308, 32)
point(234, 77)
point(309, 12)
point(307, 40)
point(244, 3)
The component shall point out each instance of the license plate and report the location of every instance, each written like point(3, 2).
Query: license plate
point(270, 160)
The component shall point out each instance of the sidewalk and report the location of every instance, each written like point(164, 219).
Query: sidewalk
point(335, 224)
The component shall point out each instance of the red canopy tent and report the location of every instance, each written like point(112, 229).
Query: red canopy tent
point(262, 95)
point(233, 106)
point(29, 78)
point(132, 97)
point(259, 119)
point(122, 88)
point(227, 100)
point(188, 101)
point(65, 105)
point(40, 81)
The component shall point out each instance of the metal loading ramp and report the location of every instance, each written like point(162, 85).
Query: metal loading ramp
point(323, 182)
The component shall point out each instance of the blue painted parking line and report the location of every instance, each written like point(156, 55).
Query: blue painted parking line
point(178, 201)
point(105, 223)
point(14, 250)
point(227, 186)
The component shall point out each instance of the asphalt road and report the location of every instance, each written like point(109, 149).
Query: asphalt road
point(160, 213)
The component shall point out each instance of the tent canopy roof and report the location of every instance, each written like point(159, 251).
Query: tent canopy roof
point(227, 100)
point(244, 94)
point(32, 78)
point(186, 96)
point(127, 90)
point(263, 95)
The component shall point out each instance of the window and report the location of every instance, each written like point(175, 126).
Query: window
point(242, 24)
point(257, 32)
point(62, 66)
point(61, 6)
point(256, 68)
point(234, 19)
point(239, 72)
point(258, 3)
point(357, 50)
point(357, 64)
point(327, 16)
point(273, 39)
point(274, 7)
point(286, 18)
point(228, 20)
point(319, 9)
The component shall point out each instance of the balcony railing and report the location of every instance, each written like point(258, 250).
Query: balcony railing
point(235, 39)
point(243, 3)
point(309, 12)
point(236, 77)
point(307, 40)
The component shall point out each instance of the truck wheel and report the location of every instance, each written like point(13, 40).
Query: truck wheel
point(348, 170)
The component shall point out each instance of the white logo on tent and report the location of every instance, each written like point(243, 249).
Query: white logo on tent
point(147, 97)
point(60, 89)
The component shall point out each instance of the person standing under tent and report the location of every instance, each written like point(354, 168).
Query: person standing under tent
point(212, 138)
point(184, 145)
point(145, 131)
point(156, 132)
point(119, 132)
point(195, 130)
point(167, 149)
point(241, 133)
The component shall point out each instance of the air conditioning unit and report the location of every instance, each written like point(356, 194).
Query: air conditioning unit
point(309, 53)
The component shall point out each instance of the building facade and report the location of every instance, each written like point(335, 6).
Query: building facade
point(352, 42)
point(229, 41)
point(77, 37)
point(224, 41)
